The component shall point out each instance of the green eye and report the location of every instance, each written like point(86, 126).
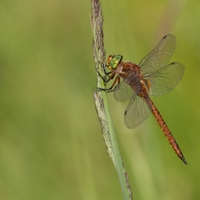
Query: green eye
point(113, 61)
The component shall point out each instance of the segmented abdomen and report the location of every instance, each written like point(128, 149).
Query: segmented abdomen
point(164, 128)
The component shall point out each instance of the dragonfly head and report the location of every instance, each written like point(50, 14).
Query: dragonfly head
point(114, 60)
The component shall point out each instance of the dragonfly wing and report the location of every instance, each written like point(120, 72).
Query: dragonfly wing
point(123, 92)
point(160, 55)
point(165, 79)
point(136, 112)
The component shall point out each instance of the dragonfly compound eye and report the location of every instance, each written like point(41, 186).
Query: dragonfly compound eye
point(115, 60)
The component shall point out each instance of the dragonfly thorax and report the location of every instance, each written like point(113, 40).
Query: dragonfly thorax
point(132, 75)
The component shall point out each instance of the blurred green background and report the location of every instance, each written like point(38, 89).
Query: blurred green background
point(51, 146)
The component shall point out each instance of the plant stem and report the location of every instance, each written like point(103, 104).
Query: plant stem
point(101, 103)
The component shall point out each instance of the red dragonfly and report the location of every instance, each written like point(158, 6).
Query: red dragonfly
point(152, 76)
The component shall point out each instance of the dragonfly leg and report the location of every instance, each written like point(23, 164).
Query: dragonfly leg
point(117, 80)
point(103, 77)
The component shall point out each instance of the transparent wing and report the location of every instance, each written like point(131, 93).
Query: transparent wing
point(166, 79)
point(123, 92)
point(160, 56)
point(136, 112)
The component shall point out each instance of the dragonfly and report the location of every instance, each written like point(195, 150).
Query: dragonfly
point(151, 77)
